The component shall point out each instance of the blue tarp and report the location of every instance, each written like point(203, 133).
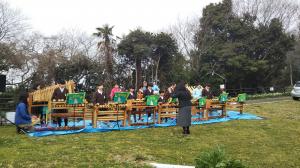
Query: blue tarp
point(112, 126)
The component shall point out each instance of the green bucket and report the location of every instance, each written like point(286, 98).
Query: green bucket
point(242, 97)
point(223, 97)
point(202, 101)
point(152, 100)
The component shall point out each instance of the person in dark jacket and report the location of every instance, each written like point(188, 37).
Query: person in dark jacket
point(132, 95)
point(206, 92)
point(169, 91)
point(148, 91)
point(60, 94)
point(184, 115)
point(22, 117)
point(100, 98)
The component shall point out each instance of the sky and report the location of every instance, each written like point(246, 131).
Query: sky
point(50, 17)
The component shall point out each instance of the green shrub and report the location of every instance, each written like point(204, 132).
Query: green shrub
point(216, 158)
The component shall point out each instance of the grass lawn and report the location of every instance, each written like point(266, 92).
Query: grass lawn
point(272, 142)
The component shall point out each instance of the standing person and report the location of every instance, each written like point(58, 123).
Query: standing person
point(184, 115)
point(161, 97)
point(169, 91)
point(206, 92)
point(145, 84)
point(132, 95)
point(140, 93)
point(197, 92)
point(100, 97)
point(148, 91)
point(155, 88)
point(114, 90)
point(60, 94)
point(22, 117)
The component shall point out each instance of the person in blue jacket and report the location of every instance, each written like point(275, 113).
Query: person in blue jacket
point(22, 117)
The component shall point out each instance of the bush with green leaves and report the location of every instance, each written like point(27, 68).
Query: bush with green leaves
point(216, 158)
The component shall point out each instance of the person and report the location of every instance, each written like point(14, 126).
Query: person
point(100, 97)
point(59, 94)
point(197, 92)
point(140, 93)
point(155, 88)
point(161, 97)
point(169, 91)
point(184, 115)
point(148, 91)
point(22, 117)
point(206, 92)
point(132, 95)
point(43, 109)
point(222, 90)
point(114, 90)
point(145, 84)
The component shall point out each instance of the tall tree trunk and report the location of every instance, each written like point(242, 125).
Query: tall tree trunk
point(156, 70)
point(109, 62)
point(138, 71)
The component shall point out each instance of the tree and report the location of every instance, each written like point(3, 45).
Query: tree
point(243, 53)
point(165, 49)
point(12, 23)
point(265, 10)
point(105, 33)
point(136, 47)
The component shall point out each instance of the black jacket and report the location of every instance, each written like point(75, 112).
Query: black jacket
point(57, 94)
point(207, 94)
point(147, 93)
point(184, 98)
point(100, 98)
point(131, 96)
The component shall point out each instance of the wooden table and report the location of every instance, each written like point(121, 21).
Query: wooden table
point(73, 111)
point(109, 112)
point(140, 107)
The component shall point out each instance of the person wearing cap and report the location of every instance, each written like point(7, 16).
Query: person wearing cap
point(60, 94)
point(206, 92)
point(100, 98)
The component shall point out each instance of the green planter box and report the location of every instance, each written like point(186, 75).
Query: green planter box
point(75, 98)
point(223, 97)
point(152, 100)
point(202, 101)
point(242, 97)
point(121, 97)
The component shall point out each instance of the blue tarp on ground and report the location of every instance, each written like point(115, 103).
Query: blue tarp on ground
point(112, 126)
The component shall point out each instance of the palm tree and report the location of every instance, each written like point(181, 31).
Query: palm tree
point(105, 44)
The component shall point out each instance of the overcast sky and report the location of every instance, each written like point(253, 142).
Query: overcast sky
point(51, 16)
